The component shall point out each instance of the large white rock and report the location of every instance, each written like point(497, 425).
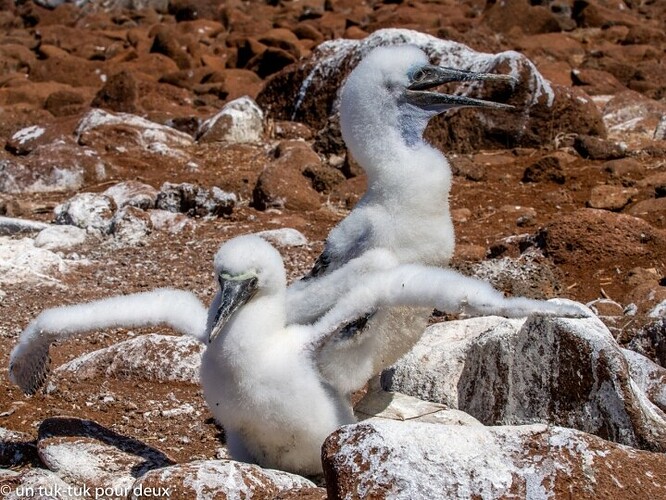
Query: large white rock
point(45, 485)
point(195, 200)
point(133, 193)
point(285, 237)
point(389, 459)
point(149, 136)
point(379, 404)
point(16, 448)
point(568, 372)
point(163, 220)
point(649, 376)
point(57, 238)
point(225, 479)
point(22, 262)
point(239, 121)
point(161, 358)
point(130, 225)
point(82, 452)
point(432, 369)
point(87, 211)
point(630, 115)
point(11, 225)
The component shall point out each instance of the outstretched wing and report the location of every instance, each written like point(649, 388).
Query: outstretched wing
point(431, 287)
point(350, 240)
point(308, 300)
point(29, 360)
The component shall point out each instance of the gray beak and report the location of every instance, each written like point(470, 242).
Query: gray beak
point(235, 292)
point(431, 76)
point(438, 103)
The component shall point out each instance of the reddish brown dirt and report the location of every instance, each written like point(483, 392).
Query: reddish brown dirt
point(184, 260)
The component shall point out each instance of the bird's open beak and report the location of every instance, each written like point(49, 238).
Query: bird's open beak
point(431, 76)
point(235, 292)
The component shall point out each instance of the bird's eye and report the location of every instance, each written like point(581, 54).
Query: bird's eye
point(418, 75)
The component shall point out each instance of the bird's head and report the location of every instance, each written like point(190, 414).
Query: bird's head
point(392, 85)
point(245, 267)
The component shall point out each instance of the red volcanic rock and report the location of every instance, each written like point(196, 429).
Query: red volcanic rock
point(23, 93)
point(242, 82)
point(624, 168)
point(593, 14)
point(27, 139)
point(555, 46)
point(223, 479)
point(588, 235)
point(66, 102)
point(16, 57)
point(61, 67)
point(118, 94)
point(308, 93)
point(307, 31)
point(239, 22)
point(387, 459)
point(284, 39)
point(56, 165)
point(283, 183)
point(596, 82)
point(144, 65)
point(610, 197)
point(570, 110)
point(635, 66)
point(595, 148)
point(270, 61)
point(531, 18)
point(406, 15)
point(548, 168)
point(650, 209)
point(167, 42)
point(599, 239)
point(292, 130)
point(641, 34)
point(193, 79)
point(332, 25)
point(631, 114)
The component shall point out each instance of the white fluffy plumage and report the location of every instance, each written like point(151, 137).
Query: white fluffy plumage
point(258, 375)
point(261, 378)
point(29, 360)
point(405, 209)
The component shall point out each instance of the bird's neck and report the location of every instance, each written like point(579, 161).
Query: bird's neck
point(393, 148)
point(422, 175)
point(252, 324)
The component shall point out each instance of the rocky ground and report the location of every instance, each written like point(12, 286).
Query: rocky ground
point(128, 142)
